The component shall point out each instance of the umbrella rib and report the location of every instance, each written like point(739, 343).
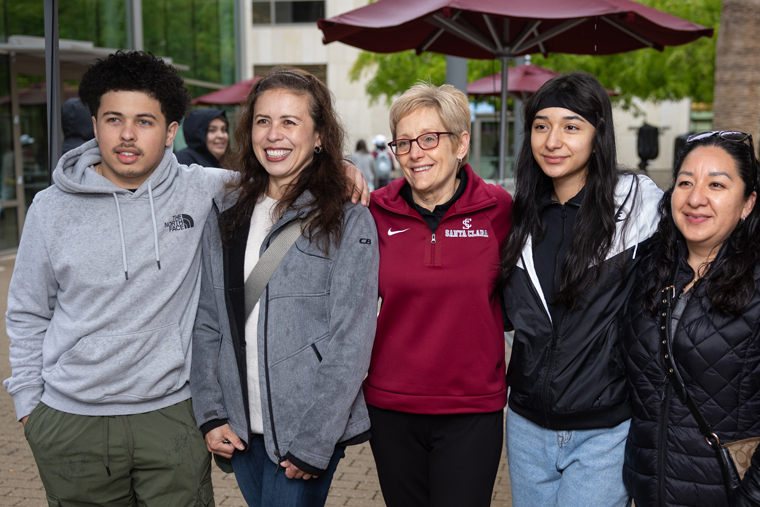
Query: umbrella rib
point(494, 35)
point(433, 37)
point(631, 33)
point(430, 40)
point(541, 46)
point(567, 25)
point(530, 28)
point(462, 31)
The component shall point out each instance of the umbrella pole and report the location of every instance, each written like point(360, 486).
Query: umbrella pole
point(504, 129)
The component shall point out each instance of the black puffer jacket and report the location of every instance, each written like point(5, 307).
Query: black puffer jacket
point(667, 460)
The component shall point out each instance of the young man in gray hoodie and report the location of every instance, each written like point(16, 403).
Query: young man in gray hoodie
point(103, 298)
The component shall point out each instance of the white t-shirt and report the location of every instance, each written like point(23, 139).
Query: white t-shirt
point(261, 223)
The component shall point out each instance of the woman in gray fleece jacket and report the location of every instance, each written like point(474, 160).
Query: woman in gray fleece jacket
point(279, 392)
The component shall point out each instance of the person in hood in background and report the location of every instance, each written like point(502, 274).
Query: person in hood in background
point(76, 122)
point(207, 137)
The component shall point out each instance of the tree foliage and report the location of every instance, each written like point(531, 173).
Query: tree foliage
point(677, 72)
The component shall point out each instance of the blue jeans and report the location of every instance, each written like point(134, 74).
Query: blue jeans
point(261, 487)
point(582, 468)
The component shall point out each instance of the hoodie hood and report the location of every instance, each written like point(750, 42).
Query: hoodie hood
point(71, 175)
point(76, 122)
point(195, 130)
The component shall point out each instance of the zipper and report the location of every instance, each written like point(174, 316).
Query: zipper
point(557, 267)
point(237, 343)
point(662, 435)
point(280, 458)
point(552, 348)
point(553, 344)
point(665, 407)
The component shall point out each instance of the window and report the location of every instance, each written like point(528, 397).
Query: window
point(279, 12)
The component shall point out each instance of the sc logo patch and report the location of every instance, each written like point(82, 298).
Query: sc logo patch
point(365, 241)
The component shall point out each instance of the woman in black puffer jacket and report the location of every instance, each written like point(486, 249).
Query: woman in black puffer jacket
point(708, 248)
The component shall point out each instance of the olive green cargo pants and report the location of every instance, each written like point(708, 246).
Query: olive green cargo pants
point(155, 459)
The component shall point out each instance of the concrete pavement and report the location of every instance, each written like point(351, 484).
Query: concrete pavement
point(355, 483)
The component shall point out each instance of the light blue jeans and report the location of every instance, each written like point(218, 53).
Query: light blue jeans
point(582, 468)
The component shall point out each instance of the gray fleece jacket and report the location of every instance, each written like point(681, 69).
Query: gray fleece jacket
point(315, 334)
point(105, 289)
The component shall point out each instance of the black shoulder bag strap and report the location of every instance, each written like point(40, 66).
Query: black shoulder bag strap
point(727, 467)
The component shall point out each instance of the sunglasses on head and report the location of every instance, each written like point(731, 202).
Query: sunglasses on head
point(728, 135)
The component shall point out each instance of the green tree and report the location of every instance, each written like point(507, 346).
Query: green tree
point(675, 73)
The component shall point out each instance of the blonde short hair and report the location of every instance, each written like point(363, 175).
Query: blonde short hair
point(451, 104)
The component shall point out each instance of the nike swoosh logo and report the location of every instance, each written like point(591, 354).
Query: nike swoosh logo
point(391, 233)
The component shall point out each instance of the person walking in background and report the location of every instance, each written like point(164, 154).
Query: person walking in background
point(694, 322)
point(207, 136)
point(364, 161)
point(279, 388)
point(435, 388)
point(383, 161)
point(578, 232)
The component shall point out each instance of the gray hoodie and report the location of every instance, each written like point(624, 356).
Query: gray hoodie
point(105, 288)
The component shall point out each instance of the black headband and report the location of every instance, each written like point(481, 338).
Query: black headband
point(556, 99)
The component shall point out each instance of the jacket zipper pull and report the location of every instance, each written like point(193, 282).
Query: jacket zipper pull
point(665, 383)
point(433, 239)
point(280, 459)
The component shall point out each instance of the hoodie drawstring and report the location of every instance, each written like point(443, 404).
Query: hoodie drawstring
point(121, 233)
point(155, 227)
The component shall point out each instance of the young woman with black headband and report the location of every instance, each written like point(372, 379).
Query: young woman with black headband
point(578, 229)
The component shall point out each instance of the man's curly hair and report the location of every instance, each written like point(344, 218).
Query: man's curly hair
point(136, 71)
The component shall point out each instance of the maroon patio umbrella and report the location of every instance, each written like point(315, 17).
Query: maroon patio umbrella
point(487, 29)
point(522, 81)
point(231, 95)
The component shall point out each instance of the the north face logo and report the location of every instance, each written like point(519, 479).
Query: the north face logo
point(180, 222)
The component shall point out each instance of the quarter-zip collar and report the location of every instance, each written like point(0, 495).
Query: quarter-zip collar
point(475, 197)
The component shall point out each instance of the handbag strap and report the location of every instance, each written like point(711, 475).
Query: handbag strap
point(668, 294)
point(267, 264)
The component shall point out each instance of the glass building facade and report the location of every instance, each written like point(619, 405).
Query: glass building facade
point(199, 34)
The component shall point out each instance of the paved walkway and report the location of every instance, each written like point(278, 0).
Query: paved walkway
point(355, 483)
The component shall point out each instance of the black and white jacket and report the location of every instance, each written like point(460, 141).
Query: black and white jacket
point(569, 375)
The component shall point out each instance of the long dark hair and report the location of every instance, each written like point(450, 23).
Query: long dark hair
point(594, 227)
point(324, 178)
point(729, 281)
